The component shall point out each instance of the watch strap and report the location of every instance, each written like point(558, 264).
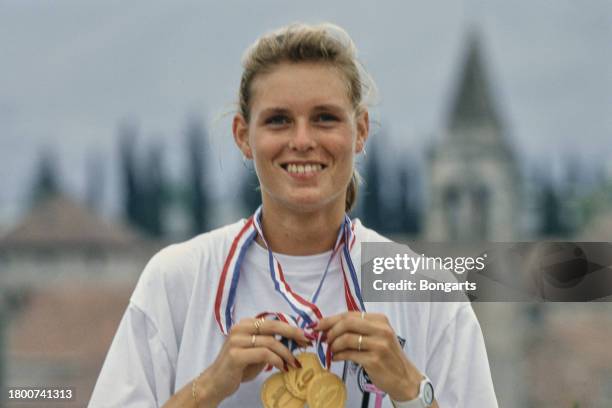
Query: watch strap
point(419, 401)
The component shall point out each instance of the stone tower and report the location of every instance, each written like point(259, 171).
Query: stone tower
point(473, 181)
point(474, 195)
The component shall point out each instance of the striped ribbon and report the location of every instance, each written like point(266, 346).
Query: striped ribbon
point(306, 312)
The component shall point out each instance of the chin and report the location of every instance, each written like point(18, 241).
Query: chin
point(311, 202)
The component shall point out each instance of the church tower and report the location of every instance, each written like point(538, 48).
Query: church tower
point(473, 181)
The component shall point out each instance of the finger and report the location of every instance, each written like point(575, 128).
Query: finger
point(276, 327)
point(349, 341)
point(259, 355)
point(327, 322)
point(278, 348)
point(272, 327)
point(246, 325)
point(353, 324)
point(246, 342)
point(377, 317)
point(361, 358)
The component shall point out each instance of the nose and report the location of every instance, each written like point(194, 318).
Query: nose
point(303, 137)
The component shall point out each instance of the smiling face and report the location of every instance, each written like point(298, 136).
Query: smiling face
point(303, 133)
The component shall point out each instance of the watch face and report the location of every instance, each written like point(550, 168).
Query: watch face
point(428, 393)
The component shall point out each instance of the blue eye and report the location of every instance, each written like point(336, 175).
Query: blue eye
point(326, 117)
point(277, 120)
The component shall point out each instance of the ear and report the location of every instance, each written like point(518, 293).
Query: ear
point(240, 129)
point(363, 130)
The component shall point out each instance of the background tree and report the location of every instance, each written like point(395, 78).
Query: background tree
point(155, 192)
point(133, 194)
point(409, 200)
point(550, 208)
point(250, 193)
point(94, 170)
point(196, 196)
point(145, 185)
point(372, 204)
point(46, 179)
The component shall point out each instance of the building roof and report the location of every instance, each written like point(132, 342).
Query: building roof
point(61, 222)
point(473, 100)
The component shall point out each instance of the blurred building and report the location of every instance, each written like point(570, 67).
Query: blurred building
point(474, 191)
point(62, 241)
point(67, 275)
point(473, 178)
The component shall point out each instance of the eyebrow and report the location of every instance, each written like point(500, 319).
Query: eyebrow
point(280, 110)
point(332, 107)
point(274, 110)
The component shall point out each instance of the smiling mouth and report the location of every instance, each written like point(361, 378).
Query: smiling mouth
point(303, 168)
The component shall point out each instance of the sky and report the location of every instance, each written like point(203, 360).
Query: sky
point(72, 71)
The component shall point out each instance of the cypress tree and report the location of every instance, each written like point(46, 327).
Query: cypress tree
point(197, 201)
point(46, 180)
point(372, 205)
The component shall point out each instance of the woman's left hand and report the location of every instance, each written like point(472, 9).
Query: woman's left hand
point(378, 351)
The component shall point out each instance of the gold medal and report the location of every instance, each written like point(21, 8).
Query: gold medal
point(274, 394)
point(326, 390)
point(297, 379)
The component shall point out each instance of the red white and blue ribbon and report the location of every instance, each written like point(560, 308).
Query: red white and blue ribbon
point(306, 311)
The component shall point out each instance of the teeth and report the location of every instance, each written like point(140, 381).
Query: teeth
point(301, 169)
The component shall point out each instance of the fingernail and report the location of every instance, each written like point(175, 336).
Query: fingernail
point(312, 325)
point(285, 367)
point(310, 336)
point(298, 364)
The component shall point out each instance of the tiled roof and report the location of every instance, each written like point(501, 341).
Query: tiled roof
point(61, 222)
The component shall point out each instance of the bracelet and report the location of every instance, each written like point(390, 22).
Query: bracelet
point(193, 389)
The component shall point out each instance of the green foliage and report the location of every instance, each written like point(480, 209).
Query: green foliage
point(372, 205)
point(409, 210)
point(46, 179)
point(551, 210)
point(145, 186)
point(197, 199)
point(391, 204)
point(250, 193)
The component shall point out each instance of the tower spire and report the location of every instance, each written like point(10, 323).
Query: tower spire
point(473, 101)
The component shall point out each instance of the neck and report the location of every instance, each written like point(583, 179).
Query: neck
point(301, 233)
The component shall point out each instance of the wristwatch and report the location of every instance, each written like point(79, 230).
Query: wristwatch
point(423, 400)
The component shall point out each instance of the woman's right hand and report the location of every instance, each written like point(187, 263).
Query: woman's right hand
point(248, 347)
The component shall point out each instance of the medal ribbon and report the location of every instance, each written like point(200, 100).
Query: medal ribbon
point(306, 311)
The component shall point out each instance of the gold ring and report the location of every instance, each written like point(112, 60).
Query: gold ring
point(253, 337)
point(362, 315)
point(258, 324)
point(359, 342)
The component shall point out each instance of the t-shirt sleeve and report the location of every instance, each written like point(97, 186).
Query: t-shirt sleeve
point(137, 371)
point(140, 367)
point(458, 365)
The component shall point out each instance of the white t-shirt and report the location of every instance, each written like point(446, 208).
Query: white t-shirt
point(168, 334)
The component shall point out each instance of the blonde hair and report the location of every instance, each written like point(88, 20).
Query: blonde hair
point(324, 43)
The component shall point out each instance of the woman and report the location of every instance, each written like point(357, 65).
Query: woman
point(191, 336)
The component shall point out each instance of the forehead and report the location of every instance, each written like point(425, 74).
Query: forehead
point(296, 85)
